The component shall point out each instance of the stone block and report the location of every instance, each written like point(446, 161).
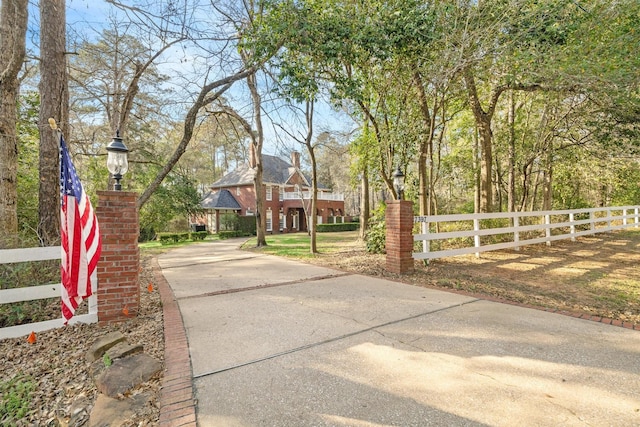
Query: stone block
point(126, 374)
point(123, 349)
point(109, 412)
point(102, 344)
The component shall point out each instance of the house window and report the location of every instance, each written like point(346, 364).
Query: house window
point(280, 193)
point(269, 220)
point(237, 191)
point(281, 221)
point(269, 193)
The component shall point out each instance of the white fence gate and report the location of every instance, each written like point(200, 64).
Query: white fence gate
point(38, 292)
point(549, 225)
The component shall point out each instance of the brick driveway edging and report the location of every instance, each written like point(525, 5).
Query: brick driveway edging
point(177, 403)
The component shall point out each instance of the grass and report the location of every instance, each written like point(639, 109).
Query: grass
point(297, 245)
point(155, 247)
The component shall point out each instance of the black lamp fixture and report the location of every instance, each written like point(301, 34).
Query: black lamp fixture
point(398, 183)
point(117, 162)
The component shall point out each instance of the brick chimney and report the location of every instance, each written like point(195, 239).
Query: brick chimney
point(295, 159)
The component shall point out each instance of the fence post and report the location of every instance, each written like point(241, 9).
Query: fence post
point(119, 266)
point(636, 219)
point(572, 226)
point(476, 238)
point(547, 232)
point(399, 236)
point(426, 244)
point(516, 232)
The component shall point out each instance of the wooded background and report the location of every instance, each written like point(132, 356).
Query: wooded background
point(486, 105)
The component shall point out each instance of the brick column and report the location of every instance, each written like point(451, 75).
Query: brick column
point(399, 237)
point(119, 266)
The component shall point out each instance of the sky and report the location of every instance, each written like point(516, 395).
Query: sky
point(90, 17)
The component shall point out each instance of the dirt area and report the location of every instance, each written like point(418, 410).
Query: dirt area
point(597, 275)
point(58, 375)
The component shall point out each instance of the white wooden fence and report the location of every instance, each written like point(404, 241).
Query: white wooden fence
point(38, 292)
point(546, 226)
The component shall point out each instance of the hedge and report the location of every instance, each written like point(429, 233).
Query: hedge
point(168, 238)
point(229, 234)
point(199, 235)
point(346, 226)
point(247, 225)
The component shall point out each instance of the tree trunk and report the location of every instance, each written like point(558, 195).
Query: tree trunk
point(54, 103)
point(425, 159)
point(314, 178)
point(261, 225)
point(511, 184)
point(365, 208)
point(476, 171)
point(547, 198)
point(486, 165)
point(13, 29)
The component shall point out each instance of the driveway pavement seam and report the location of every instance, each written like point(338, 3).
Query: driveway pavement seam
point(330, 340)
point(266, 285)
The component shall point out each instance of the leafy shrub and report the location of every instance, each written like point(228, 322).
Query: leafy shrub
point(346, 226)
point(199, 235)
point(229, 222)
point(228, 234)
point(15, 395)
point(168, 238)
point(376, 238)
point(247, 225)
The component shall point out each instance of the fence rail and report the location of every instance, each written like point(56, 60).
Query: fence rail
point(36, 292)
point(554, 225)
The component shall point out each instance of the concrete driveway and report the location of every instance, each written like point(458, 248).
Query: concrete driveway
point(275, 342)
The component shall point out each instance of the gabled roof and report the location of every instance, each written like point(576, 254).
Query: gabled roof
point(222, 199)
point(274, 171)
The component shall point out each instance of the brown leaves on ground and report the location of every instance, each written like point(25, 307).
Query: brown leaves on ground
point(597, 275)
point(55, 363)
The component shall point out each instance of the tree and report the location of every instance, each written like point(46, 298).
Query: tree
point(54, 103)
point(216, 42)
point(306, 139)
point(13, 29)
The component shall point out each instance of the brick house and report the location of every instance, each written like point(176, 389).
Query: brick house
point(286, 191)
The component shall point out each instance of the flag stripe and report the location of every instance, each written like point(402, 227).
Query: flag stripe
point(80, 238)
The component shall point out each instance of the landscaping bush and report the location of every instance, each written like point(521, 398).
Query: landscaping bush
point(168, 238)
point(229, 221)
point(345, 226)
point(199, 235)
point(376, 238)
point(247, 225)
point(228, 234)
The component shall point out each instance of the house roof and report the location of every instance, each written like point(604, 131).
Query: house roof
point(274, 171)
point(222, 199)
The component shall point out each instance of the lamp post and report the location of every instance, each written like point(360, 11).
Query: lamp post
point(117, 162)
point(398, 183)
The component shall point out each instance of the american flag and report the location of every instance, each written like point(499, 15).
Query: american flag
point(80, 236)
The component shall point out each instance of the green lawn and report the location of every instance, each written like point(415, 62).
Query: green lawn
point(297, 245)
point(155, 247)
